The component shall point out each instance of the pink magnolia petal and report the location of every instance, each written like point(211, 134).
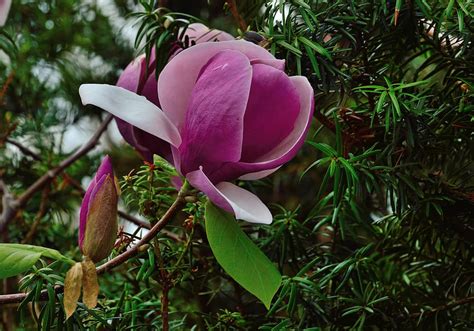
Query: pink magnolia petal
point(200, 33)
point(177, 79)
point(133, 74)
point(287, 149)
point(259, 174)
point(213, 129)
point(272, 109)
point(132, 108)
point(244, 204)
point(4, 9)
point(136, 78)
point(148, 145)
point(275, 63)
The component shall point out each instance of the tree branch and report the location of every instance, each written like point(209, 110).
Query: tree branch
point(450, 305)
point(25, 150)
point(13, 206)
point(120, 259)
point(235, 13)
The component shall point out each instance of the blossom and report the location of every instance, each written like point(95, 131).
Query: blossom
point(98, 215)
point(228, 111)
point(4, 9)
point(139, 79)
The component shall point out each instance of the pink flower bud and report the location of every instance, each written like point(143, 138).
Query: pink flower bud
point(98, 215)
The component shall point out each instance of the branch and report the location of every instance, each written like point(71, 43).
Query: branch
point(42, 211)
point(174, 208)
point(235, 12)
point(76, 185)
point(14, 206)
point(24, 150)
point(450, 305)
point(8, 211)
point(119, 259)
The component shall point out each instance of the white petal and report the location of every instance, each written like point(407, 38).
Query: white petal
point(244, 204)
point(131, 108)
point(258, 174)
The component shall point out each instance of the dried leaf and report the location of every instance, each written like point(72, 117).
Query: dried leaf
point(90, 285)
point(72, 289)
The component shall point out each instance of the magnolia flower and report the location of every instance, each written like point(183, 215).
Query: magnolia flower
point(229, 112)
point(138, 79)
point(98, 215)
point(4, 9)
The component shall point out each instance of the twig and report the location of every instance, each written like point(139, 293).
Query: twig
point(450, 305)
point(38, 217)
point(165, 308)
point(118, 260)
point(149, 236)
point(14, 206)
point(235, 12)
point(8, 212)
point(24, 150)
point(76, 185)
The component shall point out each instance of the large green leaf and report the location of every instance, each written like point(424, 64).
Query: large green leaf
point(239, 256)
point(17, 258)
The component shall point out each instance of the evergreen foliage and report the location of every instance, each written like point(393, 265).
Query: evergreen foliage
point(372, 220)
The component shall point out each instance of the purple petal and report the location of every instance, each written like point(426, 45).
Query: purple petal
point(245, 205)
point(134, 75)
point(259, 174)
point(287, 149)
point(200, 33)
point(212, 133)
point(84, 211)
point(272, 109)
point(275, 63)
point(132, 108)
point(176, 81)
point(105, 168)
point(148, 145)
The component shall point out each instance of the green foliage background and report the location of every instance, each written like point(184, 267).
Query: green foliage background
point(372, 220)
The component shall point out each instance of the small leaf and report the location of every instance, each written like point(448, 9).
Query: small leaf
point(46, 252)
point(239, 256)
point(17, 258)
point(90, 285)
point(72, 288)
point(15, 261)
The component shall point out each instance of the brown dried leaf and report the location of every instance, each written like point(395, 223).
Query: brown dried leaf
point(90, 285)
point(72, 289)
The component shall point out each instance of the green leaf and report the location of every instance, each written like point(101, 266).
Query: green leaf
point(317, 47)
point(239, 256)
point(17, 258)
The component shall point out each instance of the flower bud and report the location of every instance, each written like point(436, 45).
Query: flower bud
point(98, 216)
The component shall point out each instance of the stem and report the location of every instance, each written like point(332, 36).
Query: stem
point(120, 259)
point(235, 12)
point(165, 308)
point(11, 207)
point(42, 211)
point(450, 305)
point(177, 204)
